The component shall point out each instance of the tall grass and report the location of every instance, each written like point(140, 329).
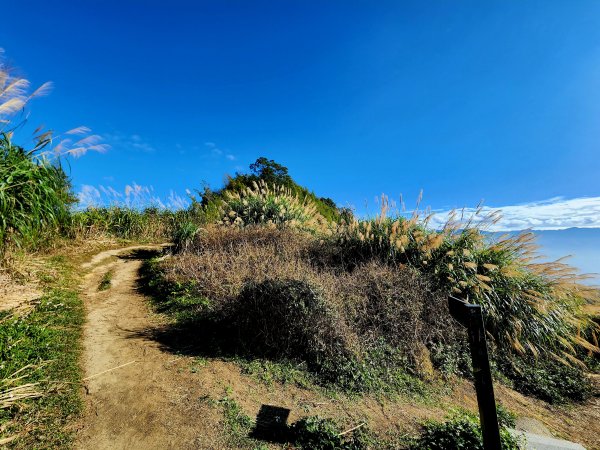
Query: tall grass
point(35, 192)
point(149, 224)
point(35, 197)
point(272, 205)
point(530, 307)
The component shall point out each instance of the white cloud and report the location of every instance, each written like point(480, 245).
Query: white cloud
point(552, 214)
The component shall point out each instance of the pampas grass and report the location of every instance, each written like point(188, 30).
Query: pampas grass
point(530, 306)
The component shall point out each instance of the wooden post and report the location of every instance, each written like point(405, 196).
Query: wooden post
point(471, 317)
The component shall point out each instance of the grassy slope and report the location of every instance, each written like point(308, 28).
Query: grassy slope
point(49, 339)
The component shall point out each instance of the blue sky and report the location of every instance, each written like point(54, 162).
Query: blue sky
point(466, 100)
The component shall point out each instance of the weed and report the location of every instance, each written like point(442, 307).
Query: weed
point(462, 431)
point(317, 433)
point(547, 379)
point(283, 372)
point(48, 342)
point(236, 422)
point(106, 280)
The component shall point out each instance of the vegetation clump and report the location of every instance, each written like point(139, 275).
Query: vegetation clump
point(105, 281)
point(318, 433)
point(368, 297)
point(35, 197)
point(462, 430)
point(269, 205)
point(262, 292)
point(547, 379)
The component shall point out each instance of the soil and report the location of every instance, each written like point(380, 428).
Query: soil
point(17, 296)
point(141, 394)
point(148, 403)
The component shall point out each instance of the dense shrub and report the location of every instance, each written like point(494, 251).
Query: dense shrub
point(462, 431)
point(299, 322)
point(365, 330)
point(317, 433)
point(547, 379)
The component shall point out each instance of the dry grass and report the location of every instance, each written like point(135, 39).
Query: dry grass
point(13, 393)
point(279, 293)
point(382, 284)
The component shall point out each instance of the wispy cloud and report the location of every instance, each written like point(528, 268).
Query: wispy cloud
point(215, 151)
point(130, 142)
point(133, 196)
point(552, 214)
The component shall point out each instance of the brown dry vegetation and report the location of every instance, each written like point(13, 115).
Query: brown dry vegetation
point(245, 273)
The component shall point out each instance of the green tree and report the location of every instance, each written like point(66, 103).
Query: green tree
point(270, 171)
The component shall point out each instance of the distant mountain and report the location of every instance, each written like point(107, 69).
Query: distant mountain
point(582, 243)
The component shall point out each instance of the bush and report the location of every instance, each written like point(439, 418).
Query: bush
point(365, 318)
point(365, 330)
point(461, 431)
point(316, 433)
point(289, 319)
point(184, 235)
point(272, 205)
point(547, 379)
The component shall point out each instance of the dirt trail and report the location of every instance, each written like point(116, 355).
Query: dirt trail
point(145, 404)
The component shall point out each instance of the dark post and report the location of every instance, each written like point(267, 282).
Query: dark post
point(471, 317)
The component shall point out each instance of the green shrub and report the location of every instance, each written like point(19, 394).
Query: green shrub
point(453, 358)
point(547, 379)
point(461, 431)
point(316, 433)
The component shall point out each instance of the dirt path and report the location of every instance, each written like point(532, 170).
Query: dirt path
point(148, 402)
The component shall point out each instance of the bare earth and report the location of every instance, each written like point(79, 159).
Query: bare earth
point(146, 404)
point(141, 395)
point(16, 296)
